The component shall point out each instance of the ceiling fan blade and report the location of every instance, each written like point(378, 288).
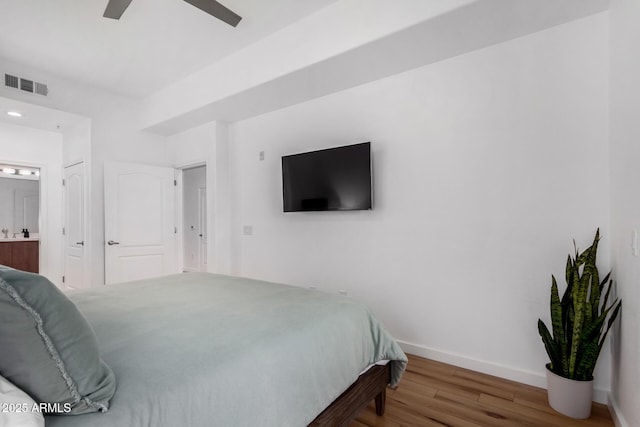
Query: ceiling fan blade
point(115, 8)
point(216, 9)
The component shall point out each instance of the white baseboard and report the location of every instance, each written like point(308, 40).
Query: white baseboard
point(616, 413)
point(510, 373)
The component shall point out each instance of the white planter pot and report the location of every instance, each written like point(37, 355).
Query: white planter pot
point(569, 397)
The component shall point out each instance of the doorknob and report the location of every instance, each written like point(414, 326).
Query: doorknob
point(80, 243)
point(111, 243)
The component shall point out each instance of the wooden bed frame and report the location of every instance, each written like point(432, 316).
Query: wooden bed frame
point(370, 385)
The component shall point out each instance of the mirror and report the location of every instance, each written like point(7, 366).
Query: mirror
point(19, 199)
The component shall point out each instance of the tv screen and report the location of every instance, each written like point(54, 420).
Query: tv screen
point(334, 179)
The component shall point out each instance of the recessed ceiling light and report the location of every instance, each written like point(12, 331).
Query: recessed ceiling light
point(24, 172)
point(9, 171)
point(14, 114)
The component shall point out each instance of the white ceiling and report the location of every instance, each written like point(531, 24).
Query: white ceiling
point(155, 43)
point(35, 116)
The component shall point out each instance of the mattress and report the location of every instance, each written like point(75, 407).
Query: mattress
point(199, 349)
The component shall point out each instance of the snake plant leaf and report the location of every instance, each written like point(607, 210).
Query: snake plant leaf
point(556, 323)
point(591, 271)
point(556, 310)
point(593, 331)
point(605, 280)
point(592, 287)
point(606, 295)
point(575, 342)
point(552, 349)
point(568, 313)
point(580, 306)
point(569, 270)
point(575, 288)
point(590, 350)
point(588, 313)
point(584, 370)
point(569, 277)
point(612, 319)
point(568, 327)
point(592, 358)
point(598, 295)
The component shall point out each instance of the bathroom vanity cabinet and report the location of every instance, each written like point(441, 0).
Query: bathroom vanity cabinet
point(21, 254)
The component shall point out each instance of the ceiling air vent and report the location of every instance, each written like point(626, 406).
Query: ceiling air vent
point(11, 81)
point(41, 89)
point(25, 85)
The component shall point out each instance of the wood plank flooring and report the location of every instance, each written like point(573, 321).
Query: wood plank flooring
point(436, 394)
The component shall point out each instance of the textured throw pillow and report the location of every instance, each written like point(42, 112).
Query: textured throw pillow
point(17, 409)
point(48, 348)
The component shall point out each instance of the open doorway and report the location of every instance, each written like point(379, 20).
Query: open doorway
point(194, 205)
point(20, 217)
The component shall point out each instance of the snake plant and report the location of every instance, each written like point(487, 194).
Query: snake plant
point(579, 321)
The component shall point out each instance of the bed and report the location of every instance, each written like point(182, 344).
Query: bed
point(199, 349)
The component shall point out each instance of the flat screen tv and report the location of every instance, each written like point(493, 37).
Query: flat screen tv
point(335, 179)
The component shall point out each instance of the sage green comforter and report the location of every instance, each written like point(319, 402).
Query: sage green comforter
point(199, 349)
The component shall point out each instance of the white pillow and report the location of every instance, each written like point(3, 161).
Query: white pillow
point(17, 408)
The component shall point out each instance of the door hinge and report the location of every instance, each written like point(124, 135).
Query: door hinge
point(63, 183)
point(175, 230)
point(62, 279)
point(175, 182)
point(63, 231)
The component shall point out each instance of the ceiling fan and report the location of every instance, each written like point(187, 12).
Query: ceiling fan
point(115, 9)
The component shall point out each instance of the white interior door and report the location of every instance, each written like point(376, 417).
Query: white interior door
point(140, 239)
point(74, 227)
point(202, 228)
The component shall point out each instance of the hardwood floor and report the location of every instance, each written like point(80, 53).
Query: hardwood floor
point(436, 394)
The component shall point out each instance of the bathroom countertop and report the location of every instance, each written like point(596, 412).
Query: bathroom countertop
point(19, 239)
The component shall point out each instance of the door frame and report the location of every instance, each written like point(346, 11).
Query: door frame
point(43, 263)
point(180, 208)
point(88, 242)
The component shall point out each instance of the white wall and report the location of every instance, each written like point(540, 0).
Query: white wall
point(625, 204)
point(30, 147)
point(77, 142)
point(486, 166)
